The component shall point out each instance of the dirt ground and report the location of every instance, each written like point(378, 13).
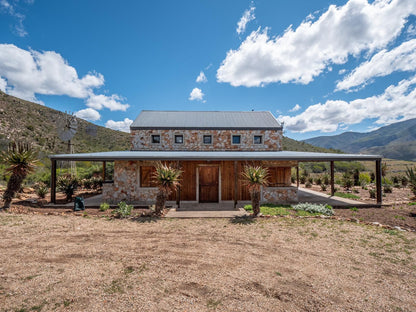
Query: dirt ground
point(68, 263)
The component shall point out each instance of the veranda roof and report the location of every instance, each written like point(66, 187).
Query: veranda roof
point(212, 155)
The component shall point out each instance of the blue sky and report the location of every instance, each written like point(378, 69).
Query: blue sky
point(321, 67)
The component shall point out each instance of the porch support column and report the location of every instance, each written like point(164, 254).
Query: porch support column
point(104, 169)
point(235, 183)
point(378, 182)
point(332, 179)
point(178, 190)
point(53, 181)
point(297, 175)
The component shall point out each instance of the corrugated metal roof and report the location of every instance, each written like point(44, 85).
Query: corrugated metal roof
point(204, 120)
point(191, 155)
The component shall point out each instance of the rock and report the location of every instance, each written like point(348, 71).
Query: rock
point(399, 229)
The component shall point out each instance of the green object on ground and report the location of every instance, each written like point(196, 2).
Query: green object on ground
point(79, 204)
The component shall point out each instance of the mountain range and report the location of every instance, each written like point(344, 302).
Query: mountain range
point(395, 141)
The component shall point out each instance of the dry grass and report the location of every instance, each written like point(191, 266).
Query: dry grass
point(69, 263)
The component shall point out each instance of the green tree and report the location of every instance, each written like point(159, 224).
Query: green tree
point(21, 160)
point(255, 177)
point(167, 180)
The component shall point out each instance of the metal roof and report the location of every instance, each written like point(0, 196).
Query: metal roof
point(211, 155)
point(205, 120)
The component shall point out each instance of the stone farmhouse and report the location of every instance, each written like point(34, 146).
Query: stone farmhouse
point(211, 148)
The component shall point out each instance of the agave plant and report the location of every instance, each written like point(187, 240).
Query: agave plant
point(411, 176)
point(21, 160)
point(167, 180)
point(67, 184)
point(255, 177)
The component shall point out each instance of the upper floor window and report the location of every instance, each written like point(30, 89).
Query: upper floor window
point(207, 139)
point(156, 139)
point(236, 139)
point(178, 139)
point(258, 139)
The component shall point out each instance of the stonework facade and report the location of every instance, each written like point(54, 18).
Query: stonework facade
point(279, 195)
point(193, 140)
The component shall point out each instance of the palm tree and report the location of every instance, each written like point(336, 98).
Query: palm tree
point(255, 177)
point(22, 160)
point(166, 178)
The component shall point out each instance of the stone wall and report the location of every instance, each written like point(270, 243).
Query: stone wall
point(279, 195)
point(126, 186)
point(193, 140)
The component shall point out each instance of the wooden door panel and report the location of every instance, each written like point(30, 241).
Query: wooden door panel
point(208, 184)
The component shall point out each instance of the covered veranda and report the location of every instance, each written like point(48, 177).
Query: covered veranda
point(234, 156)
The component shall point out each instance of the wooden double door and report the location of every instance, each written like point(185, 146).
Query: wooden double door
point(208, 184)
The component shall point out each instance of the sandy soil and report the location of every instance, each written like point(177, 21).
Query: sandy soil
point(68, 263)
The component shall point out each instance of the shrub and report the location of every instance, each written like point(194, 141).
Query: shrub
point(364, 179)
point(310, 180)
point(104, 206)
point(292, 179)
point(386, 181)
point(324, 187)
point(387, 189)
point(372, 177)
point(372, 193)
point(356, 177)
point(404, 181)
point(41, 189)
point(395, 179)
point(411, 176)
point(308, 184)
point(67, 184)
point(97, 182)
point(302, 179)
point(318, 181)
point(315, 208)
point(325, 179)
point(347, 183)
point(87, 184)
point(123, 210)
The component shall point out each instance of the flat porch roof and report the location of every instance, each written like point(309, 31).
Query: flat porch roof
point(212, 155)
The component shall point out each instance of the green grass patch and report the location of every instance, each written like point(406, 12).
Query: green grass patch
point(412, 204)
point(279, 210)
point(346, 195)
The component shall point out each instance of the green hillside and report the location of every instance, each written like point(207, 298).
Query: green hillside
point(300, 146)
point(395, 141)
point(34, 123)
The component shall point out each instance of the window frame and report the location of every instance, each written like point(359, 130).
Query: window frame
point(236, 135)
point(207, 135)
point(178, 135)
point(153, 136)
point(261, 139)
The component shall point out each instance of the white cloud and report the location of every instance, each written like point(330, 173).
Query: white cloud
point(112, 102)
point(3, 84)
point(88, 114)
point(10, 9)
point(401, 58)
point(123, 125)
point(31, 72)
point(397, 103)
point(201, 77)
point(295, 108)
point(300, 55)
point(196, 94)
point(247, 17)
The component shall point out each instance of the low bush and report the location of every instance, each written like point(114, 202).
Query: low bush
point(404, 181)
point(308, 184)
point(318, 181)
point(97, 182)
point(372, 193)
point(67, 184)
point(87, 184)
point(325, 179)
point(302, 179)
point(387, 189)
point(315, 208)
point(104, 206)
point(324, 187)
point(123, 210)
point(41, 189)
point(364, 179)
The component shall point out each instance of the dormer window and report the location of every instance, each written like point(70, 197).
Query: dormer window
point(258, 139)
point(155, 139)
point(178, 139)
point(207, 139)
point(236, 139)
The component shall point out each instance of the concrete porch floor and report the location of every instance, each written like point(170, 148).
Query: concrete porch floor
point(226, 210)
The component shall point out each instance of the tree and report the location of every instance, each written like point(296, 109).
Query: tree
point(167, 180)
point(21, 160)
point(411, 176)
point(255, 177)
